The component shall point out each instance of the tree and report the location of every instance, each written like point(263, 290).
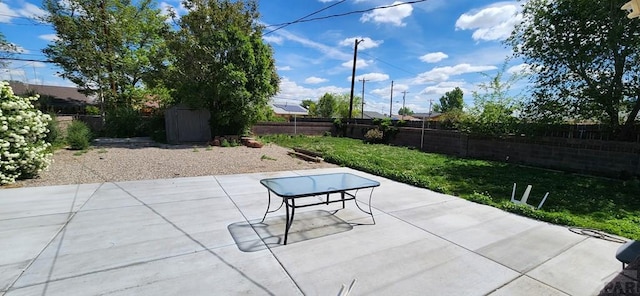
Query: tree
point(452, 100)
point(327, 105)
point(310, 105)
point(405, 111)
point(586, 59)
point(7, 50)
point(342, 109)
point(494, 107)
point(222, 64)
point(108, 46)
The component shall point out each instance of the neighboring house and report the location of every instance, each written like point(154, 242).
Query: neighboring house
point(58, 99)
point(374, 115)
point(432, 116)
point(289, 111)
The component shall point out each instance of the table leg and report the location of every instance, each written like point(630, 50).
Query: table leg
point(289, 218)
point(269, 205)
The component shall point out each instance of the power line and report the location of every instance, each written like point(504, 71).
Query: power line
point(347, 13)
point(25, 60)
point(389, 64)
point(304, 17)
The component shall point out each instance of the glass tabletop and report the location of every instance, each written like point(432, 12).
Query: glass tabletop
point(301, 186)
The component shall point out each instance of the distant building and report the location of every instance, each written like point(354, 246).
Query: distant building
point(289, 111)
point(433, 116)
point(58, 99)
point(374, 115)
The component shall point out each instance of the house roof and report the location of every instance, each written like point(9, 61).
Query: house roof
point(289, 109)
point(426, 115)
point(373, 115)
point(60, 94)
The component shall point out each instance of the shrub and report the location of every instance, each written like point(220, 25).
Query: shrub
point(123, 122)
point(78, 135)
point(92, 110)
point(54, 136)
point(374, 136)
point(23, 149)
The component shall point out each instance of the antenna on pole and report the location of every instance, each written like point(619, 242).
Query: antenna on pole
point(362, 110)
point(404, 111)
point(391, 102)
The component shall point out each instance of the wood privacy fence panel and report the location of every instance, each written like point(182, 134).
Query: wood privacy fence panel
point(187, 125)
point(610, 158)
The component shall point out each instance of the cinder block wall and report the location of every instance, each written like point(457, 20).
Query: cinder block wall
point(609, 158)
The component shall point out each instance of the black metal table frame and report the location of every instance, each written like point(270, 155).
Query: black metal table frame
point(290, 204)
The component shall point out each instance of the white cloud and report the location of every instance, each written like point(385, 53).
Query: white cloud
point(48, 37)
point(359, 63)
point(329, 51)
point(393, 15)
point(273, 39)
point(373, 77)
point(31, 11)
point(13, 74)
point(441, 74)
point(443, 87)
point(315, 80)
point(385, 92)
point(167, 8)
point(522, 68)
point(494, 22)
point(433, 57)
point(365, 44)
point(7, 13)
point(284, 68)
point(290, 91)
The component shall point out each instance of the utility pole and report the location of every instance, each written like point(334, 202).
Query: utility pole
point(430, 102)
point(362, 110)
point(353, 75)
point(391, 101)
point(404, 111)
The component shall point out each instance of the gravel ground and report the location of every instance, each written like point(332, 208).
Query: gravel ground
point(114, 162)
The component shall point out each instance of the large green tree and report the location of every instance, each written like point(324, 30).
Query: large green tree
point(107, 46)
point(405, 111)
point(586, 58)
point(452, 100)
point(327, 105)
point(222, 64)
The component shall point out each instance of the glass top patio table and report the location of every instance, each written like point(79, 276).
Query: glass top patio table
point(301, 186)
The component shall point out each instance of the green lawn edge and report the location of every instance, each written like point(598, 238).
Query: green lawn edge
point(608, 205)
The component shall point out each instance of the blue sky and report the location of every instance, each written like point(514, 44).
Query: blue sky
point(426, 48)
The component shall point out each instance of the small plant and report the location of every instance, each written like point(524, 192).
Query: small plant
point(54, 136)
point(92, 110)
point(266, 157)
point(225, 143)
point(78, 135)
point(195, 149)
point(209, 148)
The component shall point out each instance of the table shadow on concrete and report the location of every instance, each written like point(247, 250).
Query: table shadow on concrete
point(270, 233)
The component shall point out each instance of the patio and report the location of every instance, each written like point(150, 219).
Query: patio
point(202, 236)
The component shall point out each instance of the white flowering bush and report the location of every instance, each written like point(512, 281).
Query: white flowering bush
point(23, 129)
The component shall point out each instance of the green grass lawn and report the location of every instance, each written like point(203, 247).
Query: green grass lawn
point(576, 200)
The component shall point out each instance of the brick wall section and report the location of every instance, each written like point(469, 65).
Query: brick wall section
point(300, 128)
point(607, 158)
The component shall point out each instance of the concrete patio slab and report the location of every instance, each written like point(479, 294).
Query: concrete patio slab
point(204, 236)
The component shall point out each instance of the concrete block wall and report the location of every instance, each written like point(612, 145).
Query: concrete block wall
point(609, 158)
